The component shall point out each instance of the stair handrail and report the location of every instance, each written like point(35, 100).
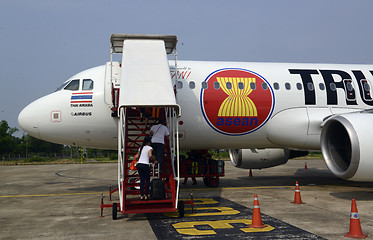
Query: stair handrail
point(121, 153)
point(174, 144)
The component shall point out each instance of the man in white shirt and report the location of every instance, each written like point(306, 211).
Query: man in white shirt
point(159, 132)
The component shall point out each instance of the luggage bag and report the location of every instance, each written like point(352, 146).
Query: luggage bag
point(220, 166)
point(157, 189)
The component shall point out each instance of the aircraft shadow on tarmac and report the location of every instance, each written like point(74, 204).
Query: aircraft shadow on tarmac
point(357, 195)
point(304, 177)
point(309, 177)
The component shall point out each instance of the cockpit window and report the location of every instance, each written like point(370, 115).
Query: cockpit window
point(87, 84)
point(73, 85)
point(62, 86)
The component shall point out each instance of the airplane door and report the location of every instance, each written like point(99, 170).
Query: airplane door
point(112, 82)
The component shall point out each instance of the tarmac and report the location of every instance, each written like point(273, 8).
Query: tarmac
point(63, 202)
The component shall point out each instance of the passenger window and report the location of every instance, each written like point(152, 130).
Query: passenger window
point(264, 86)
point(276, 86)
point(350, 94)
point(179, 85)
point(87, 84)
point(73, 85)
point(322, 86)
point(241, 85)
point(252, 85)
point(287, 86)
point(216, 85)
point(229, 85)
point(192, 85)
point(299, 86)
point(204, 85)
point(366, 90)
point(349, 87)
point(366, 86)
point(310, 86)
point(333, 87)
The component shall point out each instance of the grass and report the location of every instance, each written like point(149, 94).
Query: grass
point(312, 155)
point(223, 155)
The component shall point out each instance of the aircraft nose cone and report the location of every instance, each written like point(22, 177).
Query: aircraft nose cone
point(28, 120)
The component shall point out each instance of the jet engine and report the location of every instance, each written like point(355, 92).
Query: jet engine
point(262, 158)
point(346, 145)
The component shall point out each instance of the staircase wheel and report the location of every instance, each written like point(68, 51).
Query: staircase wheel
point(115, 211)
point(181, 209)
point(214, 182)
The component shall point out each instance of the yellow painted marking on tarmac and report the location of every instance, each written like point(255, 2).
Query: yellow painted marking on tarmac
point(194, 231)
point(189, 228)
point(266, 229)
point(50, 195)
point(198, 201)
point(221, 211)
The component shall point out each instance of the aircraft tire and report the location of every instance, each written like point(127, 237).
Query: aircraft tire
point(115, 211)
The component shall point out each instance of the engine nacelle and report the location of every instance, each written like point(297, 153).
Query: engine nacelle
point(346, 145)
point(258, 158)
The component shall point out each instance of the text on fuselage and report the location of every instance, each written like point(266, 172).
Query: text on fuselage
point(344, 82)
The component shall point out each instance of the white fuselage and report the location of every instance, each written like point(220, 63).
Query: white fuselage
point(287, 114)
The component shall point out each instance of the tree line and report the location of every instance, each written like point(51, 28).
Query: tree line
point(25, 147)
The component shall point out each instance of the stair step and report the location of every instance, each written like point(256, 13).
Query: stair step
point(135, 141)
point(137, 135)
point(138, 129)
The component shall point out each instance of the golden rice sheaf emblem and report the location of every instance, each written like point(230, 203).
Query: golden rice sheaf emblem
point(238, 103)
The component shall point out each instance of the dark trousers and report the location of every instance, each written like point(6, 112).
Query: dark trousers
point(159, 153)
point(144, 172)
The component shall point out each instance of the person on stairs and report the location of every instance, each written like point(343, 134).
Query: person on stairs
point(159, 132)
point(145, 154)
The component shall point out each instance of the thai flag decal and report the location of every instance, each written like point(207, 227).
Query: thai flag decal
point(82, 97)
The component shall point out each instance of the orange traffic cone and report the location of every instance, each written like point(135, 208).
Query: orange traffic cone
point(257, 217)
point(250, 173)
point(355, 228)
point(297, 198)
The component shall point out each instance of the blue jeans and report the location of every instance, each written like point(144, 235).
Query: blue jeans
point(144, 172)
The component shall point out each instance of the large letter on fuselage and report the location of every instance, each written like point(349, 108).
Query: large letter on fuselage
point(305, 74)
point(332, 98)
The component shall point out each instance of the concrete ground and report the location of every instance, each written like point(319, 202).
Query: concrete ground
point(63, 201)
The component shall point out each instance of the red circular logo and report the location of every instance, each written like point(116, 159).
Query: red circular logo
point(236, 101)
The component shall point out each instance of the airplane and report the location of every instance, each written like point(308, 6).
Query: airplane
point(264, 113)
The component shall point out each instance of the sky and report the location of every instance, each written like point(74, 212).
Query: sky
point(45, 42)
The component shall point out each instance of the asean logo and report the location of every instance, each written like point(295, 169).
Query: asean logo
point(236, 101)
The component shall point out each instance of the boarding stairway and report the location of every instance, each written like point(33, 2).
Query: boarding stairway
point(145, 84)
point(134, 131)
